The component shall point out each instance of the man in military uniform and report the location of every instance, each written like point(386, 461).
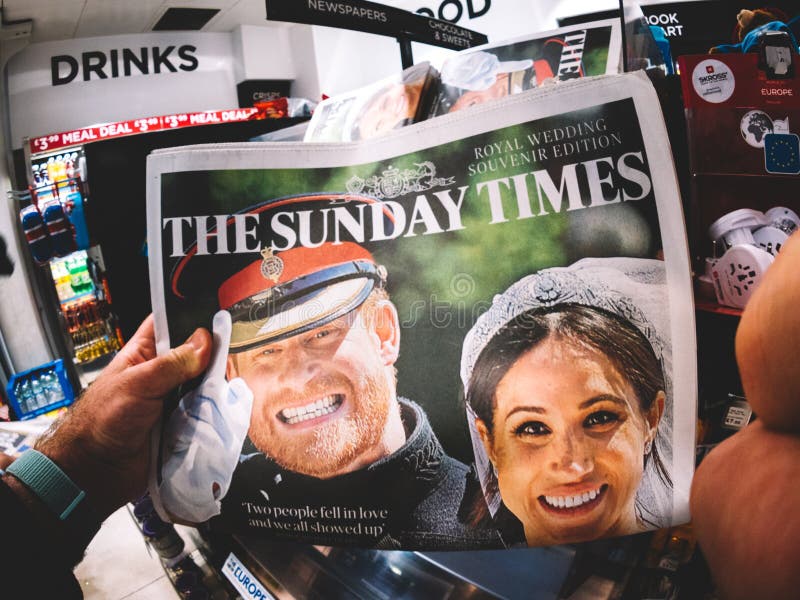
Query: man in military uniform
point(333, 454)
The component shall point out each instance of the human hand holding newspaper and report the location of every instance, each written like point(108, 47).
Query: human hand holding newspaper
point(204, 437)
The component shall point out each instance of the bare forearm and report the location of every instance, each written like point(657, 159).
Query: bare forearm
point(108, 478)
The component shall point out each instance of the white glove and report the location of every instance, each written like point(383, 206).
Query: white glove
point(204, 436)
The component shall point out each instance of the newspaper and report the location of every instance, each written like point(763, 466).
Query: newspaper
point(469, 77)
point(391, 103)
point(473, 332)
point(484, 73)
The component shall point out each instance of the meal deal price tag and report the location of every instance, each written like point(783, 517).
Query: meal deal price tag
point(65, 139)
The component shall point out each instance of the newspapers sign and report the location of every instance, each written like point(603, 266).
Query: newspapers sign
point(371, 17)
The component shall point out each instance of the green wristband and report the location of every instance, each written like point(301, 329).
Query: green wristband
point(45, 479)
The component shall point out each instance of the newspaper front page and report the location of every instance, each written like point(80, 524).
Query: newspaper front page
point(474, 332)
point(512, 66)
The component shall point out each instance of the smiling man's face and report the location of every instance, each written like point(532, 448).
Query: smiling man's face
point(322, 399)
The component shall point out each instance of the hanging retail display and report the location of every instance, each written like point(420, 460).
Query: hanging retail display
point(744, 153)
point(36, 235)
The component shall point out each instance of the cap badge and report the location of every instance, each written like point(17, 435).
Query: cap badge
point(271, 266)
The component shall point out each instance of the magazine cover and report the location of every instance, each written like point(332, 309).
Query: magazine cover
point(470, 333)
point(389, 104)
point(493, 71)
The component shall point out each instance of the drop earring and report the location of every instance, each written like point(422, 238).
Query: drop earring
point(648, 447)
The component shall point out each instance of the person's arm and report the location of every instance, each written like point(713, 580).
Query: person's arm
point(5, 460)
point(745, 492)
point(102, 443)
point(31, 547)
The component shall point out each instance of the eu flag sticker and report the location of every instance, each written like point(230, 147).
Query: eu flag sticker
point(782, 153)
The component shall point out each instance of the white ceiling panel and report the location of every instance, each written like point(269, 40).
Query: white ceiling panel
point(52, 20)
point(65, 19)
point(242, 12)
point(116, 17)
point(221, 5)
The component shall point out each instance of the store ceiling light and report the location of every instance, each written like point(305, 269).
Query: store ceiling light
point(185, 19)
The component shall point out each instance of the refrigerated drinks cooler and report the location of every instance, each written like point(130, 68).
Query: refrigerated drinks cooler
point(81, 289)
point(96, 297)
point(85, 324)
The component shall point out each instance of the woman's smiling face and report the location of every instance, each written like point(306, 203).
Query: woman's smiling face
point(568, 443)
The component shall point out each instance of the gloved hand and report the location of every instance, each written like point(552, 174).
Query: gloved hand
point(204, 436)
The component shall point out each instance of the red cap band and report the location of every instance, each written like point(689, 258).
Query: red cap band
point(297, 262)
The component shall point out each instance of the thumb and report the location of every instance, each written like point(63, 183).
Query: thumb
point(158, 376)
point(767, 343)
